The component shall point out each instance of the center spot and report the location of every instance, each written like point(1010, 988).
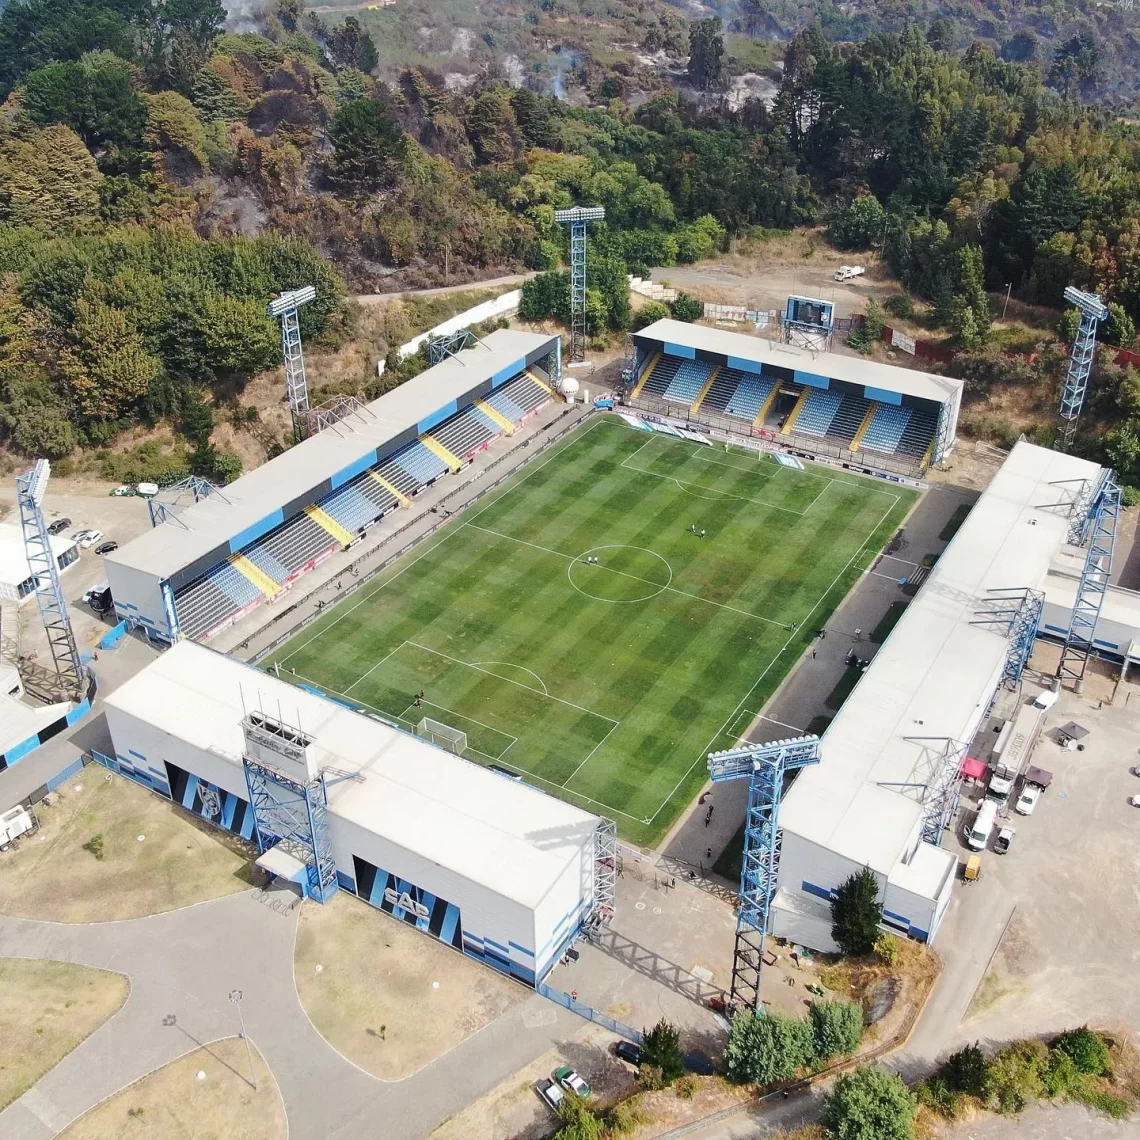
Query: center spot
point(620, 574)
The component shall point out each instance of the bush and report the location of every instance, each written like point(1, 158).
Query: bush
point(968, 1070)
point(686, 308)
point(579, 1121)
point(836, 1027)
point(1088, 1050)
point(856, 913)
point(1015, 1076)
point(95, 846)
point(648, 313)
point(900, 305)
point(1119, 329)
point(870, 1104)
point(859, 224)
point(766, 1048)
point(887, 949)
point(662, 1048)
point(937, 1095)
point(650, 1077)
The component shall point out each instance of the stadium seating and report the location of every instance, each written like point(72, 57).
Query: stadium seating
point(377, 492)
point(518, 398)
point(886, 429)
point(818, 412)
point(466, 432)
point(350, 508)
point(688, 381)
point(749, 397)
point(219, 593)
point(849, 418)
point(421, 463)
point(726, 382)
point(293, 545)
point(662, 376)
point(917, 434)
point(266, 561)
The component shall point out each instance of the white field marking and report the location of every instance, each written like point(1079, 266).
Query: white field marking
point(889, 577)
point(896, 558)
point(581, 561)
point(592, 751)
point(512, 665)
point(781, 723)
point(776, 657)
point(390, 653)
point(451, 712)
point(447, 533)
point(621, 573)
point(508, 681)
point(709, 492)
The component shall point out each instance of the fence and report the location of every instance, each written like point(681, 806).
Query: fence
point(811, 448)
point(570, 1002)
point(566, 423)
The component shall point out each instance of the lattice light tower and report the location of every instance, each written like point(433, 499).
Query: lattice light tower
point(1092, 311)
point(31, 487)
point(171, 501)
point(289, 800)
point(1100, 525)
point(578, 218)
point(764, 766)
point(285, 309)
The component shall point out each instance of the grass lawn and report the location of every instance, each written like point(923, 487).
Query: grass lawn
point(177, 1103)
point(608, 682)
point(387, 998)
point(48, 1009)
point(179, 860)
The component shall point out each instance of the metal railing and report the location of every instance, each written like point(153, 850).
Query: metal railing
point(568, 1001)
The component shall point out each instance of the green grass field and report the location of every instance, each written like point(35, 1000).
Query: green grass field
point(609, 682)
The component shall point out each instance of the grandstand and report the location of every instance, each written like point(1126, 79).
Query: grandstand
point(207, 567)
point(872, 415)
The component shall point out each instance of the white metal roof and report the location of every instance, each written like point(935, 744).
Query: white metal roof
point(248, 500)
point(934, 672)
point(909, 382)
point(499, 833)
point(20, 722)
point(14, 567)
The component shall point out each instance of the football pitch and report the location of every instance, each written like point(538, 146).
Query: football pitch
point(581, 634)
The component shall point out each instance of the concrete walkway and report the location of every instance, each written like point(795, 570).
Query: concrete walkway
point(181, 968)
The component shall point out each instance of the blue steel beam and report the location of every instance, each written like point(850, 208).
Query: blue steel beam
point(1095, 579)
point(764, 766)
point(1092, 311)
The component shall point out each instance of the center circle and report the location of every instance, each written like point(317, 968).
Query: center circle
point(620, 574)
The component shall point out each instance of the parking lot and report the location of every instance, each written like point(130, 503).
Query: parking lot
point(1068, 882)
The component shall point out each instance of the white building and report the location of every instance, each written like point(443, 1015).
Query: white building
point(16, 580)
point(921, 700)
point(485, 863)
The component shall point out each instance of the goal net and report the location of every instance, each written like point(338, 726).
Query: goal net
point(442, 735)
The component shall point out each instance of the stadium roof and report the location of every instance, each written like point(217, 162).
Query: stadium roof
point(249, 500)
point(934, 674)
point(14, 567)
point(502, 834)
point(851, 369)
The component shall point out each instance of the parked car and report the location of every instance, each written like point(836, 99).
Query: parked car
point(628, 1051)
point(123, 490)
point(572, 1082)
point(552, 1094)
point(106, 547)
point(59, 526)
point(1027, 801)
point(1004, 839)
point(88, 538)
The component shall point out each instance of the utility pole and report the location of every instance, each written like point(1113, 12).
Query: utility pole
point(1008, 290)
point(235, 998)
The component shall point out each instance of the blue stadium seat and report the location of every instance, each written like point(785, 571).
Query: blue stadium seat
point(817, 413)
point(688, 381)
point(350, 508)
point(886, 429)
point(421, 463)
point(750, 396)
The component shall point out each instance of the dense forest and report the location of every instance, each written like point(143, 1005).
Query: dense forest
point(160, 177)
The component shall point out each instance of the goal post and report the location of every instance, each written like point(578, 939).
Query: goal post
point(442, 735)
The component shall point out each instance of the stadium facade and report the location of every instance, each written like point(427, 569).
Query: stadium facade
point(482, 862)
point(867, 415)
point(883, 791)
point(235, 549)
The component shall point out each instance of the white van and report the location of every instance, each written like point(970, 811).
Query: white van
point(979, 835)
point(1045, 700)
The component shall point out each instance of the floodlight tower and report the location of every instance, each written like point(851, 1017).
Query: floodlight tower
point(578, 218)
point(764, 766)
point(1093, 311)
point(284, 309)
point(31, 487)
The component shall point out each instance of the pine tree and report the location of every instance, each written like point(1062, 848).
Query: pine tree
point(856, 913)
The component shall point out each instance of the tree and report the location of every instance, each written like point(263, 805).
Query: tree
point(686, 308)
point(648, 313)
point(968, 1070)
point(546, 296)
point(870, 1104)
point(856, 913)
point(970, 297)
point(48, 180)
point(836, 1027)
point(706, 54)
point(351, 46)
point(1089, 1052)
point(370, 148)
point(764, 1048)
point(1119, 329)
point(859, 225)
point(578, 1121)
point(662, 1049)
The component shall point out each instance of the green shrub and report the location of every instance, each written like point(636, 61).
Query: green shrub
point(1015, 1076)
point(1102, 1100)
point(968, 1070)
point(900, 305)
point(686, 1087)
point(662, 1048)
point(937, 1095)
point(764, 1048)
point(836, 1027)
point(626, 1117)
point(650, 1077)
point(1060, 1076)
point(95, 846)
point(887, 949)
point(870, 1104)
point(686, 308)
point(579, 1121)
point(1088, 1050)
point(648, 313)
